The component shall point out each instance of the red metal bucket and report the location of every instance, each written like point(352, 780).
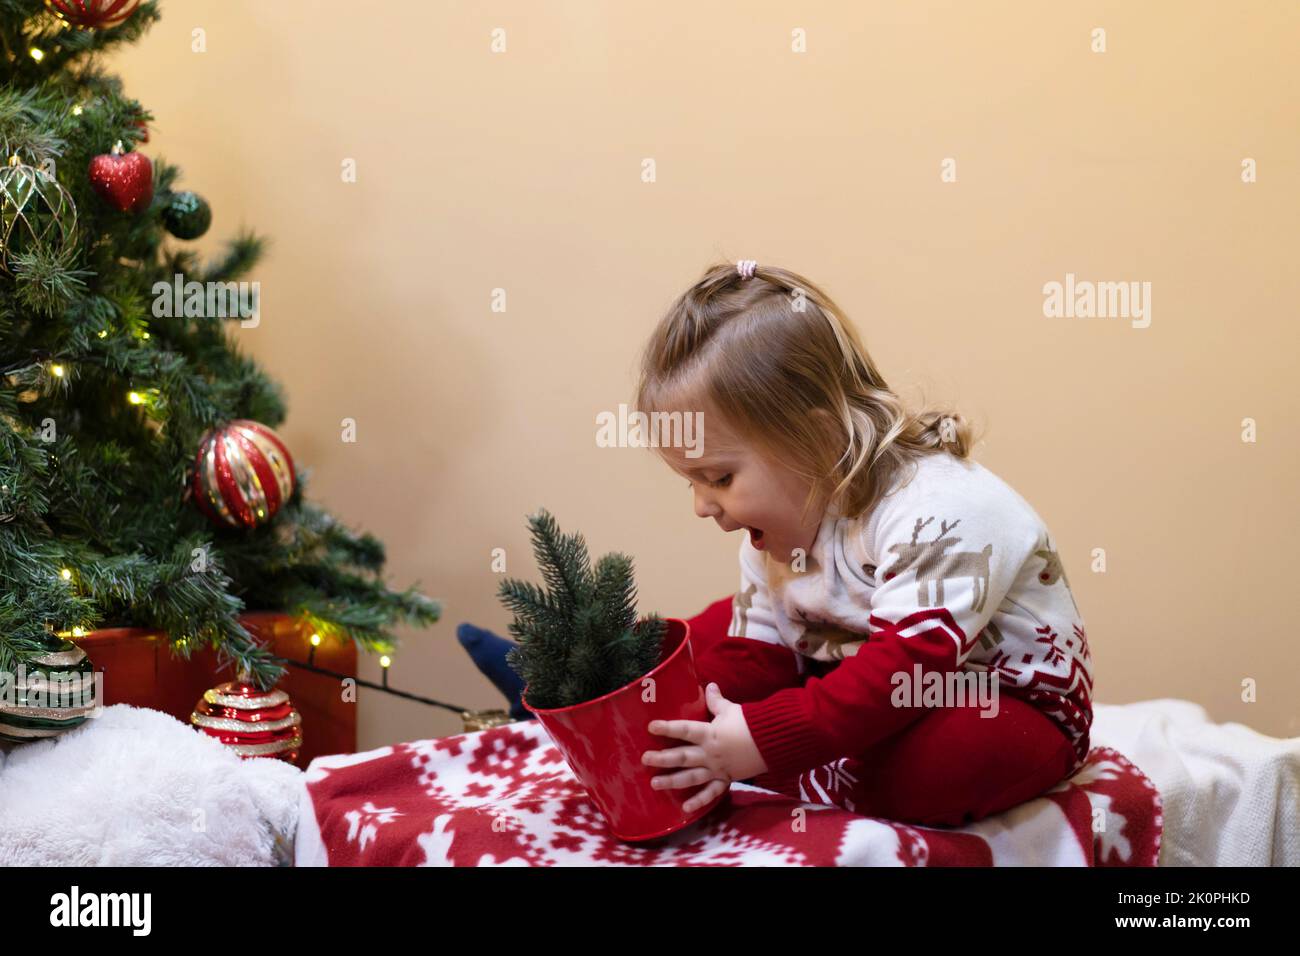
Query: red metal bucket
point(603, 740)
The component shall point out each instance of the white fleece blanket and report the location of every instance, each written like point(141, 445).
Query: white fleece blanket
point(1231, 794)
point(136, 787)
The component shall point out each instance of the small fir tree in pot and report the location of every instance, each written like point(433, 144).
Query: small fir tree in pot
point(579, 639)
point(595, 677)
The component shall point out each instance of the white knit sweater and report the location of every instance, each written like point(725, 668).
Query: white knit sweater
point(951, 553)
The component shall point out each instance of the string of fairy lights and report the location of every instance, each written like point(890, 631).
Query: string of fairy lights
point(385, 662)
point(313, 642)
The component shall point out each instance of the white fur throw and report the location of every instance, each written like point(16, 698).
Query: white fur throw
point(136, 787)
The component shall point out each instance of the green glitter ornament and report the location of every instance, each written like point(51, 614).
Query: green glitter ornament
point(187, 215)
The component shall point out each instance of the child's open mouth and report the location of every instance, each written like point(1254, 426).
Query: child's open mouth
point(756, 537)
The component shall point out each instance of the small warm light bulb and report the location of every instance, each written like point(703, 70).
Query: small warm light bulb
point(144, 335)
point(134, 398)
point(57, 370)
point(78, 632)
point(37, 54)
point(385, 661)
point(66, 574)
point(315, 640)
point(103, 333)
point(76, 110)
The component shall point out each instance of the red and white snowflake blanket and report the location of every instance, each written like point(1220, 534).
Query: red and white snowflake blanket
point(505, 797)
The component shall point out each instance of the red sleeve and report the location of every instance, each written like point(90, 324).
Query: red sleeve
point(852, 707)
point(751, 662)
point(748, 670)
point(849, 709)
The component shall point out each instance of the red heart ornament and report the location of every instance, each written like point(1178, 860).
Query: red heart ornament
point(124, 180)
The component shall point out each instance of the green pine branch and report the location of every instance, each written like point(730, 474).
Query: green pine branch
point(578, 638)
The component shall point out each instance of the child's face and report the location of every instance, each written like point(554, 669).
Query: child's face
point(742, 489)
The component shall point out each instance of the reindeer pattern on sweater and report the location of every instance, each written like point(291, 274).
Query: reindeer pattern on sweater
point(951, 550)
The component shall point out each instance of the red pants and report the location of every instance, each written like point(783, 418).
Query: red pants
point(948, 767)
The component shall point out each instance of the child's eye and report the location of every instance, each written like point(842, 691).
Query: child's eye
point(721, 482)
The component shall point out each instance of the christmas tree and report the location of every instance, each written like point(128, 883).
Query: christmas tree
point(109, 386)
point(579, 639)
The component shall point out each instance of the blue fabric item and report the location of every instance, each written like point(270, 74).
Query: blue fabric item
point(488, 652)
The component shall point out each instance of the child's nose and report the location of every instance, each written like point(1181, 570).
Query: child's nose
point(705, 506)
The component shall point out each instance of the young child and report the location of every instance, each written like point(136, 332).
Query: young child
point(904, 643)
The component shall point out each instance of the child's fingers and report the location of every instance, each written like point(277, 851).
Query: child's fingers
point(694, 731)
point(706, 795)
point(692, 777)
point(676, 757)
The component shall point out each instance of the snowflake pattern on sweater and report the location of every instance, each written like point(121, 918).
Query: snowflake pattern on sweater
point(952, 571)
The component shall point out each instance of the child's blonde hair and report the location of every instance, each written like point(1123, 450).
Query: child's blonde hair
point(784, 368)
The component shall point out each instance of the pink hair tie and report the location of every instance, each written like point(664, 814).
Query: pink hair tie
point(746, 268)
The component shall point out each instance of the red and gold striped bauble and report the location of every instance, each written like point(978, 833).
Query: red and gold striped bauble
point(242, 475)
point(251, 722)
point(92, 13)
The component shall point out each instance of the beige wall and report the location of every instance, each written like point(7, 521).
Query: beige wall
point(522, 171)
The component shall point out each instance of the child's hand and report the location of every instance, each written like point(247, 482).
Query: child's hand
point(723, 751)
